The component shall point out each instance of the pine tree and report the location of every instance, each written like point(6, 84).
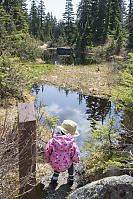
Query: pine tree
point(13, 8)
point(130, 26)
point(68, 18)
point(61, 37)
point(94, 19)
point(41, 12)
point(124, 12)
point(84, 31)
point(117, 24)
point(6, 25)
point(53, 29)
point(47, 27)
point(102, 27)
point(83, 15)
point(115, 13)
point(24, 8)
point(41, 16)
point(34, 20)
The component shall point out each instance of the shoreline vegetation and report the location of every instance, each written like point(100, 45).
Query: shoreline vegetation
point(101, 40)
point(97, 80)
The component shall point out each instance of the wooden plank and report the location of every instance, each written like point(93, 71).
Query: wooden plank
point(27, 150)
point(26, 112)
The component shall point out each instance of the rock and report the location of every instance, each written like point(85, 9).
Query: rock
point(115, 187)
point(129, 148)
point(113, 171)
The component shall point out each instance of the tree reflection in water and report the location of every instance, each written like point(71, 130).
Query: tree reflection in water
point(75, 106)
point(97, 108)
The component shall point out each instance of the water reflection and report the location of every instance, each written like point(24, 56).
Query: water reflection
point(97, 108)
point(75, 106)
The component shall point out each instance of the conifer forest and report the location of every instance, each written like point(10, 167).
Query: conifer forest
point(89, 53)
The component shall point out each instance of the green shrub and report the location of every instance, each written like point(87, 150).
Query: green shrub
point(102, 137)
point(14, 77)
point(123, 94)
point(104, 153)
point(101, 163)
point(23, 46)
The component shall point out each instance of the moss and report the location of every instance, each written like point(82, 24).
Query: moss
point(99, 165)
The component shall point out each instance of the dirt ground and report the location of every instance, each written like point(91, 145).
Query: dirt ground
point(94, 80)
point(62, 190)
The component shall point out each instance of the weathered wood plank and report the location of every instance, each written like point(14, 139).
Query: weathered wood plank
point(26, 112)
point(27, 150)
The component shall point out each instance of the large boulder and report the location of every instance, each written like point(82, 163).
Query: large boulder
point(115, 187)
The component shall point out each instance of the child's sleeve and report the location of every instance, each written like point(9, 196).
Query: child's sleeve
point(48, 151)
point(75, 153)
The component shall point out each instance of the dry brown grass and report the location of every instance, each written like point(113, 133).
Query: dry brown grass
point(85, 79)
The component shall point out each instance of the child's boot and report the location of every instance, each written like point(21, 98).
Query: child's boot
point(53, 183)
point(70, 180)
point(54, 179)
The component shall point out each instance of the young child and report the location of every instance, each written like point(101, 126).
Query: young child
point(61, 151)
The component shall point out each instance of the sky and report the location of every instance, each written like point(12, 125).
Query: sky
point(57, 7)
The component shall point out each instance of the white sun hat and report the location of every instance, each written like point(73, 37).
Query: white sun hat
point(69, 126)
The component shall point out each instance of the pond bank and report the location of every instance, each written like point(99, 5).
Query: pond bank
point(87, 80)
point(96, 80)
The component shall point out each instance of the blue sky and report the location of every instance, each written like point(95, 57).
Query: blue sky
point(57, 7)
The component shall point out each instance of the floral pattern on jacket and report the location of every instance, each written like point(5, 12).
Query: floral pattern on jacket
point(61, 151)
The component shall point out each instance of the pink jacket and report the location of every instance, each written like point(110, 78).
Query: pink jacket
point(61, 151)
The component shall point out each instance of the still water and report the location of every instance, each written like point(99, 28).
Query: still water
point(75, 106)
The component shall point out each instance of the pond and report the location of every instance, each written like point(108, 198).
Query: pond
point(75, 106)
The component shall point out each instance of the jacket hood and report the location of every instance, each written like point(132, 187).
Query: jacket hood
point(62, 142)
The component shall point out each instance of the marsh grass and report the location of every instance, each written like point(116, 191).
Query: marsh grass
point(96, 80)
point(37, 70)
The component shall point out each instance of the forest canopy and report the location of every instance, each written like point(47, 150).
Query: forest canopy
point(96, 22)
point(102, 29)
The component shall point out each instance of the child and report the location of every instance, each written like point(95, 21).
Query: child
point(61, 151)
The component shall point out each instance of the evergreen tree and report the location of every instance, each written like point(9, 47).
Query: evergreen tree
point(34, 20)
point(41, 13)
point(24, 8)
point(83, 15)
point(68, 18)
point(53, 29)
point(94, 19)
point(130, 26)
point(24, 5)
point(84, 30)
point(115, 13)
point(47, 27)
point(124, 12)
point(130, 6)
point(41, 16)
point(102, 26)
point(61, 37)
point(116, 22)
point(13, 8)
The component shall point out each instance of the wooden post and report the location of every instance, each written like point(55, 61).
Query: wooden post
point(27, 150)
